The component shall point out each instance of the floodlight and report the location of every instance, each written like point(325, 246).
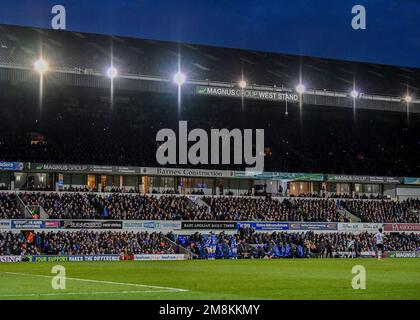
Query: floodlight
point(41, 66)
point(179, 78)
point(408, 98)
point(112, 72)
point(242, 84)
point(354, 93)
point(300, 88)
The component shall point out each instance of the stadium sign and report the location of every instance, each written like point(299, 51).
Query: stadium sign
point(359, 227)
point(31, 224)
point(310, 226)
point(269, 225)
point(270, 95)
point(363, 254)
point(10, 259)
point(142, 257)
point(280, 176)
point(153, 224)
point(208, 225)
point(81, 168)
point(92, 224)
point(187, 172)
point(57, 167)
point(410, 180)
point(4, 224)
point(11, 166)
point(402, 227)
point(55, 224)
point(368, 254)
point(47, 167)
point(27, 224)
point(76, 258)
point(362, 179)
point(404, 254)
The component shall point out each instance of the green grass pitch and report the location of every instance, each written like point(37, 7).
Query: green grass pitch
point(220, 279)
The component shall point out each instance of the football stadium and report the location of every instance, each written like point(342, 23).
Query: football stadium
point(90, 191)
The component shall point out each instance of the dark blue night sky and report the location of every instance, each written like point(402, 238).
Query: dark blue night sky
point(309, 27)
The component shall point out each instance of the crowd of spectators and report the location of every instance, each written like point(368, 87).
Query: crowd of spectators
point(120, 206)
point(125, 207)
point(63, 205)
point(198, 245)
point(116, 206)
point(270, 209)
point(252, 244)
point(325, 244)
point(84, 243)
point(386, 211)
point(246, 243)
point(8, 206)
point(180, 207)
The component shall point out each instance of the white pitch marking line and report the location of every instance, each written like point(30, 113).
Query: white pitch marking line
point(81, 293)
point(102, 281)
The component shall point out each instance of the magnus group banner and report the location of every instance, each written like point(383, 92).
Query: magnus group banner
point(271, 95)
point(80, 168)
point(404, 254)
point(362, 179)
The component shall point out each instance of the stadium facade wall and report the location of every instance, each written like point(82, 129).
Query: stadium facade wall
point(76, 174)
point(92, 79)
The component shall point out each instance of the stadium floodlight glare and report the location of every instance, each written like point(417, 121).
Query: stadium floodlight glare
point(408, 98)
point(112, 72)
point(300, 88)
point(180, 78)
point(41, 66)
point(354, 93)
point(242, 84)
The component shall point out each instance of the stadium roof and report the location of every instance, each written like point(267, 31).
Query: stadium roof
point(21, 46)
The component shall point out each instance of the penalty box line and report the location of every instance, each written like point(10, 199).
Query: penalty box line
point(158, 288)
